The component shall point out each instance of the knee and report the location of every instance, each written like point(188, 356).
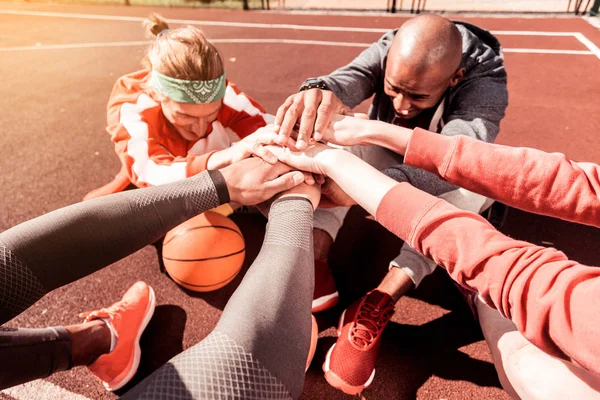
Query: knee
point(527, 369)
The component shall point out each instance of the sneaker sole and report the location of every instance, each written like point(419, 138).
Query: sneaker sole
point(314, 337)
point(325, 302)
point(137, 350)
point(334, 380)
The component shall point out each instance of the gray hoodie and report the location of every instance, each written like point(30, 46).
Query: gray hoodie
point(472, 108)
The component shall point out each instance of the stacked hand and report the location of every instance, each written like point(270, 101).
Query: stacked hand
point(313, 109)
point(254, 145)
point(320, 120)
point(252, 181)
point(315, 159)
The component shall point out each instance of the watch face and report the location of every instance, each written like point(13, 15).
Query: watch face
point(313, 83)
point(316, 83)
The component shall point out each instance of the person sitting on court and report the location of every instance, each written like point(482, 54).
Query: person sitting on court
point(549, 350)
point(432, 73)
point(179, 115)
point(247, 355)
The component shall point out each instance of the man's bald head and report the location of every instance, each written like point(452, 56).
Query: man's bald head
point(423, 61)
point(428, 41)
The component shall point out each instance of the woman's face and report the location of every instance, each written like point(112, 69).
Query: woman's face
point(191, 120)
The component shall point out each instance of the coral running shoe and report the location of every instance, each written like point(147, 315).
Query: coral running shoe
point(128, 317)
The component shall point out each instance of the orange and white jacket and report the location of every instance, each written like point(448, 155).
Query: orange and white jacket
point(151, 151)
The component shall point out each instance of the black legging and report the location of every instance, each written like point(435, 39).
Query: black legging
point(260, 345)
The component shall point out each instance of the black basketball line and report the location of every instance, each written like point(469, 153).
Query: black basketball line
point(232, 277)
point(204, 259)
point(201, 227)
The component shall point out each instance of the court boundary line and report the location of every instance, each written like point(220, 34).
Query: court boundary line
point(259, 41)
point(592, 47)
point(256, 25)
point(588, 43)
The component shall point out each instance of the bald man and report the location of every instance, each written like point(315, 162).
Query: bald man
point(432, 73)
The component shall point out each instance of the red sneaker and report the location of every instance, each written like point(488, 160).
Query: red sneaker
point(326, 294)
point(314, 337)
point(350, 362)
point(129, 317)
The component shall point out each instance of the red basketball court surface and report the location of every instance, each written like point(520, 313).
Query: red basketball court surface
point(58, 66)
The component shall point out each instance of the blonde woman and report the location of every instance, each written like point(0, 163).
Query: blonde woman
point(180, 115)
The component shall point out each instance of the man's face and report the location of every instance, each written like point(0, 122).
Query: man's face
point(413, 89)
point(190, 120)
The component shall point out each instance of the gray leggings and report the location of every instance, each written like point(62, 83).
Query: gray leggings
point(259, 347)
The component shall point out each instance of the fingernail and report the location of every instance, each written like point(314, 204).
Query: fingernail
point(298, 178)
point(300, 144)
point(317, 136)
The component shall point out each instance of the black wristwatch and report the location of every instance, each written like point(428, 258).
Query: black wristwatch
point(313, 83)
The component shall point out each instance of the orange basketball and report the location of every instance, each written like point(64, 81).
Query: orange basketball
point(204, 253)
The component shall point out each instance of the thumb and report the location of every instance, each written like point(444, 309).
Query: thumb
point(345, 110)
point(285, 182)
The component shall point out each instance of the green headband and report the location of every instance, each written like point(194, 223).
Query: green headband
point(194, 92)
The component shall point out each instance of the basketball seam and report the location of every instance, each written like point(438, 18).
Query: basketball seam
point(201, 227)
point(204, 259)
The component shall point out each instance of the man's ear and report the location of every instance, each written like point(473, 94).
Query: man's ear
point(458, 75)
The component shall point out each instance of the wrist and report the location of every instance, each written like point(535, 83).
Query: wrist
point(220, 182)
point(219, 159)
point(313, 83)
point(386, 135)
point(294, 196)
point(227, 175)
point(330, 159)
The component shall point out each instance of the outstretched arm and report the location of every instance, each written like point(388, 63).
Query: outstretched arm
point(544, 293)
point(62, 246)
point(524, 178)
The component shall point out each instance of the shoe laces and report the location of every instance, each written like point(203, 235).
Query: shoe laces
point(113, 312)
point(370, 321)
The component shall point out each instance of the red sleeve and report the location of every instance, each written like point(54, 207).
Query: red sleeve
point(549, 297)
point(529, 179)
point(241, 113)
point(136, 124)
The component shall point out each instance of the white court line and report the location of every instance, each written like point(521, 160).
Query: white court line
point(254, 24)
point(196, 22)
point(258, 41)
point(39, 388)
point(74, 46)
point(532, 33)
point(293, 41)
point(588, 43)
point(550, 51)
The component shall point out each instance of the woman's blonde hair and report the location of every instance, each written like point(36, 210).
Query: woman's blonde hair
point(182, 53)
